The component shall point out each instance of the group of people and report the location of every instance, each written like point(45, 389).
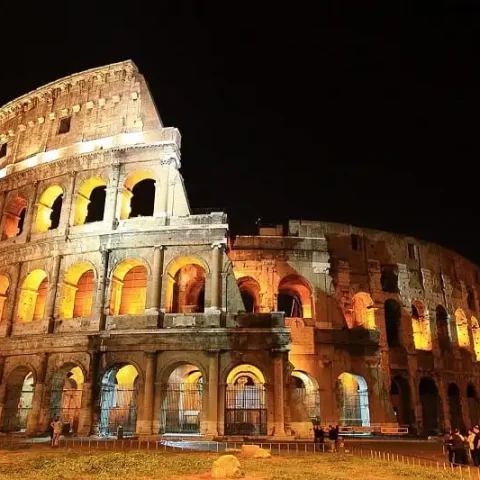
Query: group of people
point(331, 433)
point(459, 446)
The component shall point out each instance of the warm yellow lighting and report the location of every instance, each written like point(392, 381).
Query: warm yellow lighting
point(4, 284)
point(126, 376)
point(83, 198)
point(129, 288)
point(77, 376)
point(33, 296)
point(476, 337)
point(251, 371)
point(422, 335)
point(363, 312)
point(77, 291)
point(462, 329)
point(44, 209)
point(297, 286)
point(126, 194)
point(11, 217)
point(249, 286)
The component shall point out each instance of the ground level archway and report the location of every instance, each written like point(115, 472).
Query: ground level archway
point(353, 402)
point(455, 407)
point(401, 401)
point(473, 405)
point(430, 402)
point(182, 399)
point(118, 400)
point(246, 402)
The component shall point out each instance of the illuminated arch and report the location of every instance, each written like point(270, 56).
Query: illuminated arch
point(363, 311)
point(128, 292)
point(4, 286)
point(476, 337)
point(461, 323)
point(305, 399)
point(185, 285)
point(14, 217)
point(90, 201)
point(353, 400)
point(250, 291)
point(77, 291)
point(33, 297)
point(48, 209)
point(295, 297)
point(246, 370)
point(422, 335)
point(118, 399)
point(128, 193)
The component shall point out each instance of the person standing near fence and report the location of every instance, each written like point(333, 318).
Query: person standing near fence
point(57, 427)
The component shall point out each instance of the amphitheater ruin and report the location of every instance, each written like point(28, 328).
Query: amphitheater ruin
point(119, 308)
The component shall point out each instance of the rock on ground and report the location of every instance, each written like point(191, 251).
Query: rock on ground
point(227, 466)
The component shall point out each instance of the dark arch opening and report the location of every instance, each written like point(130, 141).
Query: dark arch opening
point(471, 300)
point(96, 207)
point(401, 400)
point(430, 406)
point(21, 220)
point(290, 304)
point(248, 301)
point(455, 407)
point(143, 200)
point(56, 211)
point(442, 329)
point(473, 404)
point(393, 315)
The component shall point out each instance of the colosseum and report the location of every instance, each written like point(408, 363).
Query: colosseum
point(120, 309)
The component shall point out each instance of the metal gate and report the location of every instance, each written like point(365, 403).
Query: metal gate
point(354, 409)
point(66, 403)
point(246, 410)
point(309, 399)
point(17, 408)
point(118, 407)
point(181, 408)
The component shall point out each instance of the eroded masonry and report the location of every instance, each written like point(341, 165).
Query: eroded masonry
point(120, 308)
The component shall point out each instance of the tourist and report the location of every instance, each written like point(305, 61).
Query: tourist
point(57, 427)
point(471, 445)
point(476, 445)
point(458, 448)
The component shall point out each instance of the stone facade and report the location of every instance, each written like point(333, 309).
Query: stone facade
point(119, 308)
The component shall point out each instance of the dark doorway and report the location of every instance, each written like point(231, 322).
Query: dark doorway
point(96, 207)
point(430, 406)
point(56, 211)
point(401, 400)
point(455, 407)
point(393, 315)
point(143, 200)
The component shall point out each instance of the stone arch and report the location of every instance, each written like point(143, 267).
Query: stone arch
point(295, 296)
point(77, 291)
point(443, 332)
point(363, 311)
point(90, 201)
point(185, 285)
point(461, 324)
point(245, 401)
point(66, 389)
point(476, 337)
point(20, 388)
point(14, 216)
point(33, 297)
point(49, 208)
point(352, 394)
point(133, 185)
point(393, 317)
point(304, 399)
point(119, 399)
point(4, 290)
point(400, 396)
point(430, 401)
point(182, 399)
point(422, 336)
point(473, 404)
point(250, 292)
point(128, 287)
point(455, 406)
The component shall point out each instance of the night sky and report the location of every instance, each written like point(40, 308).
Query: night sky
point(355, 112)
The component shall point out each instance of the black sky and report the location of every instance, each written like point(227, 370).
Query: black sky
point(357, 112)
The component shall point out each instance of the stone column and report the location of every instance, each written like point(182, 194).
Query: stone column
point(2, 203)
point(67, 218)
point(145, 425)
point(212, 414)
point(29, 218)
point(89, 394)
point(36, 424)
point(12, 301)
point(162, 189)
point(158, 256)
point(278, 392)
point(111, 199)
point(101, 292)
point(216, 297)
point(52, 293)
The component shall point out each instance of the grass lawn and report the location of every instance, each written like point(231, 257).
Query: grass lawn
point(67, 464)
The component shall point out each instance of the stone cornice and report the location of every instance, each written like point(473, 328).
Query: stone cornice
point(47, 92)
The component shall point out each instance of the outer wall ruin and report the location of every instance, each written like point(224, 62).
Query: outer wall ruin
point(120, 309)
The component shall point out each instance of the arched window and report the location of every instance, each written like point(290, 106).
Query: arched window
point(138, 195)
point(129, 288)
point(476, 337)
point(49, 209)
point(295, 297)
point(462, 329)
point(363, 311)
point(443, 333)
point(393, 316)
point(430, 402)
point(4, 285)
point(250, 292)
point(77, 291)
point(14, 217)
point(422, 336)
point(352, 391)
point(90, 201)
point(33, 297)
